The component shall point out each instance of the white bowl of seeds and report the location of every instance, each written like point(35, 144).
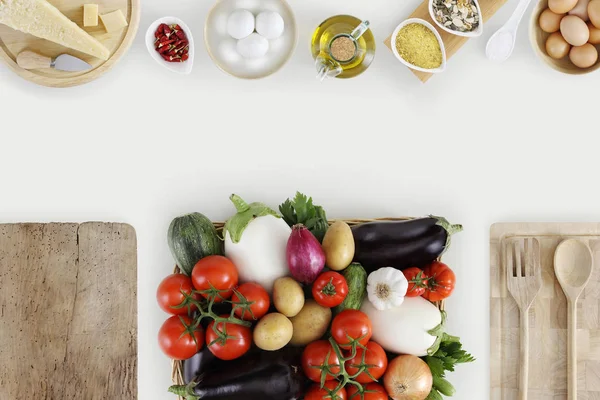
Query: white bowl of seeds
point(458, 17)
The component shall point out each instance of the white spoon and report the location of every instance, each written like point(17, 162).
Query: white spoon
point(501, 44)
point(573, 265)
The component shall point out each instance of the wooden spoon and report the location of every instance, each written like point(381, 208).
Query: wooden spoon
point(573, 264)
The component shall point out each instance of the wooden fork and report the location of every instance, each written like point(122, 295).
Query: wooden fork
point(524, 281)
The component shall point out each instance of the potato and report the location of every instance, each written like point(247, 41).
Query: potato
point(288, 296)
point(310, 324)
point(273, 331)
point(338, 245)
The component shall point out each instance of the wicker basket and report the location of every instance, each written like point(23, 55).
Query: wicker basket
point(177, 372)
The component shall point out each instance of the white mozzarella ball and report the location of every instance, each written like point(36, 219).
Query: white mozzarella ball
point(269, 24)
point(253, 46)
point(240, 24)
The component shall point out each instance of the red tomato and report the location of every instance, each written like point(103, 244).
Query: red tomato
point(238, 342)
point(258, 298)
point(441, 281)
point(172, 292)
point(330, 289)
point(314, 356)
point(215, 272)
point(375, 359)
point(178, 339)
point(417, 281)
point(351, 326)
point(326, 393)
point(372, 391)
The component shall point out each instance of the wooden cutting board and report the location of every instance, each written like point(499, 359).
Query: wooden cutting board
point(547, 319)
point(68, 311)
point(14, 42)
point(452, 42)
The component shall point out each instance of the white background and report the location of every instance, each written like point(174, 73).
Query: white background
point(478, 144)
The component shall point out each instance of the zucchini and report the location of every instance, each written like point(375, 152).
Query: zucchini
point(192, 237)
point(356, 278)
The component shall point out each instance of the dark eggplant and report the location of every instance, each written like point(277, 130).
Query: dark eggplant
point(379, 232)
point(199, 363)
point(405, 251)
point(257, 375)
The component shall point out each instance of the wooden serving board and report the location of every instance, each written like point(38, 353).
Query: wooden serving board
point(547, 319)
point(68, 311)
point(452, 42)
point(14, 42)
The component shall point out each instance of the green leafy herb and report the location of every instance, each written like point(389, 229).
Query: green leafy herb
point(301, 210)
point(445, 359)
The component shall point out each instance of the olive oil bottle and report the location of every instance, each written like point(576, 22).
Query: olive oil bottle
point(343, 47)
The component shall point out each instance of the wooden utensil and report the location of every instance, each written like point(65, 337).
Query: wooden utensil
point(548, 322)
point(573, 263)
point(524, 281)
point(64, 62)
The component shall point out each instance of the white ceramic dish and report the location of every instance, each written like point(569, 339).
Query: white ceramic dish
point(475, 33)
point(222, 48)
point(437, 35)
point(183, 67)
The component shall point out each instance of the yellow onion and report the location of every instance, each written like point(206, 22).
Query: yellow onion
point(408, 378)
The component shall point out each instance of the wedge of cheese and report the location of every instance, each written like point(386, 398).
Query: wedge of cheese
point(41, 19)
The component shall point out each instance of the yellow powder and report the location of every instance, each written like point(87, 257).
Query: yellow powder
point(417, 45)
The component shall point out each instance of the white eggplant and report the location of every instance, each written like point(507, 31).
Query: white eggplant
point(416, 327)
point(255, 241)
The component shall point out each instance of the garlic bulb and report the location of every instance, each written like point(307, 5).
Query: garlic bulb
point(386, 288)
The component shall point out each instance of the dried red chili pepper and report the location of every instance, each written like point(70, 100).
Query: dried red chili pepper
point(166, 43)
point(171, 43)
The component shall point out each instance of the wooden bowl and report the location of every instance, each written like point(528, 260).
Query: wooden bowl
point(538, 41)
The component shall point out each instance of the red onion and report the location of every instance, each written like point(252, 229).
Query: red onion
point(305, 257)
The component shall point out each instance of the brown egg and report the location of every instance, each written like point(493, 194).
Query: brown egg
point(580, 9)
point(594, 34)
point(549, 21)
point(574, 30)
point(584, 56)
point(556, 46)
point(561, 6)
point(594, 12)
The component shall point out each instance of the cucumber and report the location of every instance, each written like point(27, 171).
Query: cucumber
point(356, 278)
point(443, 386)
point(192, 237)
point(434, 395)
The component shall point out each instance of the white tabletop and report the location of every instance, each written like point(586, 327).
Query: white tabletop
point(478, 144)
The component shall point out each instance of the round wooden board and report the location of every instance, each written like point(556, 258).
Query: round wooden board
point(13, 42)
